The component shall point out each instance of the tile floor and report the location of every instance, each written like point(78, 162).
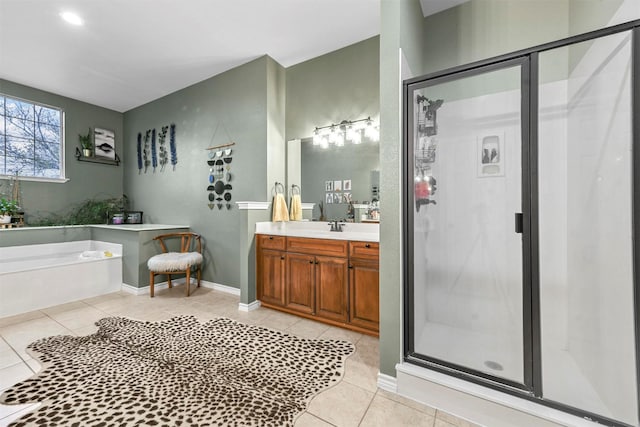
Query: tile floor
point(355, 401)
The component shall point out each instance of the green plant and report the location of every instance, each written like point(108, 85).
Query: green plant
point(91, 211)
point(8, 207)
point(85, 141)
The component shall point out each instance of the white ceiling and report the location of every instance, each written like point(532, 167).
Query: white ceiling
point(130, 52)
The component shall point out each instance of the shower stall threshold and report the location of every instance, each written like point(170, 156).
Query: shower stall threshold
point(475, 403)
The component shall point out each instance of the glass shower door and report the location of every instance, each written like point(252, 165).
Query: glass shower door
point(466, 132)
point(585, 181)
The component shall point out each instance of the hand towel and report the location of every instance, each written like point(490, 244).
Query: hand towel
point(280, 211)
point(296, 208)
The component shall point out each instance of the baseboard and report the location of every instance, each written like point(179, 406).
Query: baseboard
point(164, 285)
point(219, 287)
point(387, 383)
point(249, 307)
point(144, 290)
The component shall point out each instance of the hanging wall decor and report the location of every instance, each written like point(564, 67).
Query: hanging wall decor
point(219, 160)
point(139, 152)
point(172, 145)
point(158, 152)
point(162, 136)
point(145, 152)
point(154, 151)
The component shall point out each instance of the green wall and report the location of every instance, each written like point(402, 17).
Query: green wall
point(86, 180)
point(236, 103)
point(400, 28)
point(341, 85)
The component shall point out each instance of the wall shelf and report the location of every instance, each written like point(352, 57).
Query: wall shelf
point(80, 157)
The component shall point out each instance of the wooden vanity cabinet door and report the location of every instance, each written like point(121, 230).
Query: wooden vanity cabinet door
point(331, 288)
point(271, 266)
point(364, 310)
point(300, 290)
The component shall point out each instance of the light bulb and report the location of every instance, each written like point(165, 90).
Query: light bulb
point(316, 137)
point(357, 137)
point(333, 135)
point(371, 132)
point(72, 18)
point(350, 133)
point(339, 139)
point(324, 142)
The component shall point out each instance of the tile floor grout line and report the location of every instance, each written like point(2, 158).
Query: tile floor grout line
point(368, 407)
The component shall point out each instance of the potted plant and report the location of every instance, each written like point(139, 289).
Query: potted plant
point(86, 144)
point(8, 208)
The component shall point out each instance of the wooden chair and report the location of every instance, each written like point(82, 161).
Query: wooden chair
point(170, 263)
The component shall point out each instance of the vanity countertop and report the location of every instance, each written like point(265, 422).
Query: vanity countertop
point(320, 230)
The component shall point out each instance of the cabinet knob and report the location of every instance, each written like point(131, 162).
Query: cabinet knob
point(367, 245)
point(270, 237)
point(350, 266)
point(310, 261)
point(281, 256)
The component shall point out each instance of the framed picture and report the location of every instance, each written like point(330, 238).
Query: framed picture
point(337, 185)
point(337, 197)
point(491, 156)
point(104, 144)
point(329, 198)
point(346, 185)
point(328, 186)
point(133, 217)
point(346, 197)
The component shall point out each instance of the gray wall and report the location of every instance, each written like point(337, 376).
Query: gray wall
point(401, 26)
point(341, 85)
point(42, 235)
point(237, 101)
point(86, 180)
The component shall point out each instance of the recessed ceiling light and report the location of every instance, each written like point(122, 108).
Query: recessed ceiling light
point(72, 18)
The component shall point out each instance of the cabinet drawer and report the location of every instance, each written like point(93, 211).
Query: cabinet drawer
point(364, 250)
point(329, 247)
point(266, 241)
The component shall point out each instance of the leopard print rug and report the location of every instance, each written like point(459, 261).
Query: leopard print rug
point(177, 372)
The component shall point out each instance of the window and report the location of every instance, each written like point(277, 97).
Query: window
point(31, 143)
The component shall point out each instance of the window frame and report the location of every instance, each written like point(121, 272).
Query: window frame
point(62, 178)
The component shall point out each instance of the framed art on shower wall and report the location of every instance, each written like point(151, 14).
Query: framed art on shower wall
point(491, 155)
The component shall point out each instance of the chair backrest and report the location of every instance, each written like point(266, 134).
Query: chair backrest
point(189, 242)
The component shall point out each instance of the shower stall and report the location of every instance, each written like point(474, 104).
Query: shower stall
point(521, 211)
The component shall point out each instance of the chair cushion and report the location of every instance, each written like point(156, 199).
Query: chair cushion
point(174, 261)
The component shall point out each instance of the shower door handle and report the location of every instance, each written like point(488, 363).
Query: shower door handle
point(518, 218)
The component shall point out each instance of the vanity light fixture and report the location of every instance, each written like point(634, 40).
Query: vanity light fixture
point(72, 18)
point(347, 130)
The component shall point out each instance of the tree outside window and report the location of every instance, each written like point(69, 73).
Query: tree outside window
point(31, 140)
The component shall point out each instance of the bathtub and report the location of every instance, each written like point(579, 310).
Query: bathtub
point(39, 276)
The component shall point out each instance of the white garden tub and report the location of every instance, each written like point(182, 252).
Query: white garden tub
point(38, 276)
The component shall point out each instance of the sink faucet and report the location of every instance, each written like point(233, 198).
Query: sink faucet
point(336, 226)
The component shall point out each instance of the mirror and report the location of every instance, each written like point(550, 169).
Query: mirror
point(334, 175)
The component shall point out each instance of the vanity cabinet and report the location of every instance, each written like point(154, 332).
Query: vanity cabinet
point(364, 290)
point(271, 269)
point(334, 281)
